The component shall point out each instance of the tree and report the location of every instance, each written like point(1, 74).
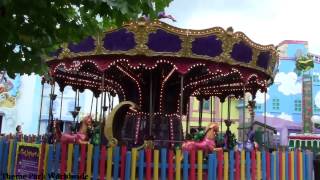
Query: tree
point(30, 29)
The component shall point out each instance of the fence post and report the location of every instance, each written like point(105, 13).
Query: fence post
point(102, 164)
point(96, 152)
point(253, 164)
point(243, 165)
point(170, 165)
point(123, 162)
point(199, 167)
point(220, 165)
point(192, 165)
point(13, 159)
point(89, 160)
point(163, 164)
point(69, 158)
point(141, 164)
point(148, 164)
point(128, 164)
point(75, 159)
point(109, 162)
point(57, 157)
point(178, 164)
point(259, 165)
point(237, 165)
point(82, 159)
point(212, 167)
point(50, 159)
point(231, 167)
point(116, 162)
point(1, 154)
point(156, 164)
point(226, 165)
point(185, 165)
point(63, 158)
point(248, 165)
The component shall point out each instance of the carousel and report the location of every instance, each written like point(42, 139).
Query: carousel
point(154, 69)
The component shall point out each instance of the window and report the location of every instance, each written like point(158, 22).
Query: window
point(297, 105)
point(206, 105)
point(316, 109)
point(258, 107)
point(275, 104)
point(315, 78)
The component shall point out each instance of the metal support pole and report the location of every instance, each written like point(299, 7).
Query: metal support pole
point(91, 104)
point(41, 101)
point(188, 117)
point(265, 117)
point(61, 105)
point(96, 117)
point(181, 96)
point(221, 118)
point(229, 105)
point(211, 109)
point(102, 99)
point(244, 112)
point(200, 112)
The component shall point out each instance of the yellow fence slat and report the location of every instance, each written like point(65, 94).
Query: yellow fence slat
point(89, 160)
point(226, 165)
point(133, 163)
point(178, 164)
point(109, 162)
point(243, 166)
point(156, 164)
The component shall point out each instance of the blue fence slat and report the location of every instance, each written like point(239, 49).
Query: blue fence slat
point(116, 160)
point(1, 153)
point(272, 157)
point(5, 157)
point(263, 165)
point(75, 167)
point(231, 165)
point(277, 166)
point(212, 165)
point(13, 156)
point(128, 166)
point(185, 165)
point(57, 158)
point(310, 163)
point(305, 165)
point(141, 164)
point(163, 164)
point(248, 165)
point(50, 159)
point(96, 151)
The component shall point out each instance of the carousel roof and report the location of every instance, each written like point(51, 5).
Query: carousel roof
point(160, 39)
point(214, 62)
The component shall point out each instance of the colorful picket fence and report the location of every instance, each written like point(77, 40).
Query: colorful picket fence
point(100, 162)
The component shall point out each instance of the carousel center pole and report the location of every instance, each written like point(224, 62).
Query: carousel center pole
point(188, 117)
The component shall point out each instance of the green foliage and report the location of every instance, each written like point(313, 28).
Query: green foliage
point(303, 64)
point(30, 29)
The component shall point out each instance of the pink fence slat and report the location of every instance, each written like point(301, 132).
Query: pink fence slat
point(268, 165)
point(253, 165)
point(148, 164)
point(170, 165)
point(192, 165)
point(63, 163)
point(82, 159)
point(123, 162)
point(102, 163)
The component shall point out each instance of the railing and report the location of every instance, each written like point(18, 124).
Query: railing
point(100, 162)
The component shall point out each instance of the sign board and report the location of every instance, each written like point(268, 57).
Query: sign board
point(28, 160)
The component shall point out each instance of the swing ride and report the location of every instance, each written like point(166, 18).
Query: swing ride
point(154, 69)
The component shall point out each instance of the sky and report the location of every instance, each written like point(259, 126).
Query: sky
point(263, 21)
